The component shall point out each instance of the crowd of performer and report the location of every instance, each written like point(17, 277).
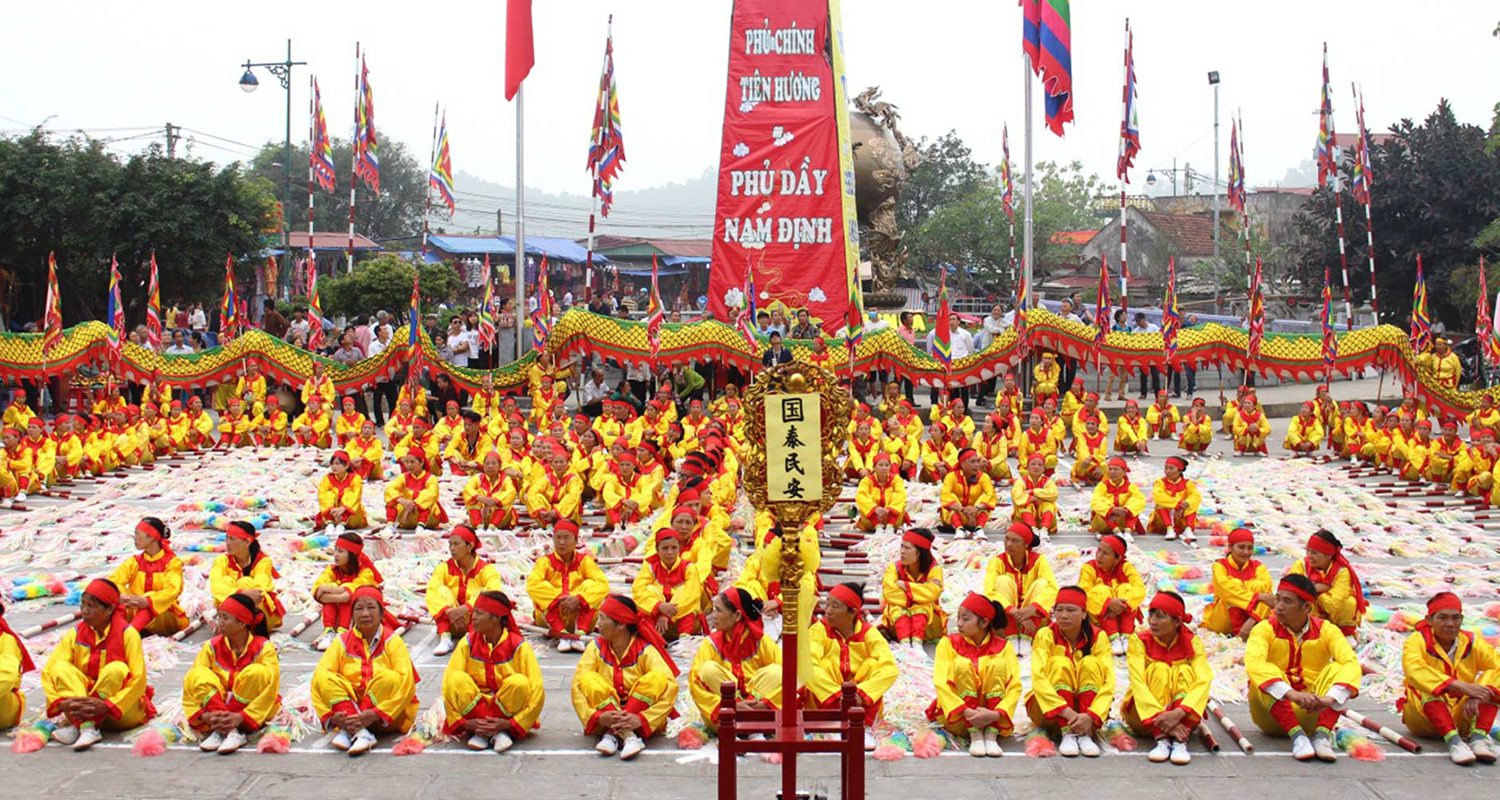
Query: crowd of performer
point(676, 466)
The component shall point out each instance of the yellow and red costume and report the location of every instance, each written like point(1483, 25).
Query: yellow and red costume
point(1034, 500)
point(1315, 659)
point(680, 584)
point(420, 487)
point(336, 616)
point(1236, 588)
point(1122, 583)
point(247, 682)
point(1430, 708)
point(1166, 675)
point(863, 658)
point(1162, 417)
point(552, 578)
point(1343, 603)
point(356, 675)
point(1197, 429)
point(874, 493)
point(959, 492)
point(501, 488)
point(345, 491)
point(1174, 503)
point(452, 586)
point(639, 681)
point(158, 578)
point(969, 674)
point(1077, 675)
point(910, 603)
point(228, 576)
point(743, 656)
point(108, 665)
point(1026, 584)
point(486, 679)
point(1111, 495)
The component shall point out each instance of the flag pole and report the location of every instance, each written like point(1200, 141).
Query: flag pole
point(354, 157)
point(1369, 233)
point(1124, 176)
point(600, 107)
point(312, 147)
point(520, 217)
point(1026, 235)
point(427, 187)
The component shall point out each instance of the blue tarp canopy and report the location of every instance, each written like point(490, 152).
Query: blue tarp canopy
point(697, 261)
point(552, 247)
point(645, 272)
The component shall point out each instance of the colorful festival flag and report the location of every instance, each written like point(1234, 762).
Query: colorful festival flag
point(1236, 184)
point(541, 319)
point(1257, 319)
point(441, 177)
point(1364, 177)
point(1171, 315)
point(1421, 322)
point(1330, 338)
point(366, 148)
point(315, 338)
point(414, 311)
point(1023, 302)
point(942, 328)
point(607, 145)
point(1130, 124)
point(520, 54)
point(1007, 181)
point(1325, 154)
point(854, 332)
point(654, 315)
point(487, 333)
point(153, 308)
point(229, 307)
point(746, 321)
point(321, 153)
point(52, 327)
point(1101, 311)
point(1046, 39)
point(114, 310)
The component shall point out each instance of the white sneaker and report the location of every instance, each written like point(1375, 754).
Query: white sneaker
point(211, 742)
point(234, 741)
point(1068, 747)
point(976, 743)
point(564, 645)
point(1118, 645)
point(1302, 748)
point(340, 741)
point(478, 742)
point(1188, 537)
point(1161, 752)
point(580, 645)
point(503, 742)
point(1171, 535)
point(1459, 752)
point(364, 741)
point(1480, 744)
point(608, 745)
point(869, 740)
point(1087, 747)
point(992, 743)
point(1180, 754)
point(66, 735)
point(325, 640)
point(88, 736)
point(444, 646)
point(1459, 493)
point(632, 747)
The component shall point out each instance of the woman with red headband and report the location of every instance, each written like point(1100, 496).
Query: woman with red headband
point(738, 652)
point(1304, 434)
point(341, 497)
point(244, 569)
point(1132, 433)
point(366, 453)
point(1176, 500)
point(555, 492)
point(669, 588)
point(335, 587)
point(846, 647)
point(1117, 502)
point(993, 444)
point(1020, 580)
point(490, 495)
point(270, 425)
point(95, 678)
point(455, 585)
point(1451, 680)
point(627, 496)
point(1241, 587)
point(967, 496)
point(1090, 451)
point(1115, 591)
point(1250, 427)
point(1040, 438)
point(15, 661)
point(911, 590)
point(934, 455)
point(1072, 676)
point(151, 581)
point(566, 587)
point(1341, 596)
point(492, 687)
point(312, 427)
point(412, 499)
point(1169, 680)
point(880, 500)
point(365, 684)
point(977, 677)
point(234, 685)
point(1034, 498)
point(1197, 429)
point(626, 681)
point(864, 446)
point(705, 539)
point(1301, 671)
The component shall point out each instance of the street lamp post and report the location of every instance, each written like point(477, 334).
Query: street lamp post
point(249, 83)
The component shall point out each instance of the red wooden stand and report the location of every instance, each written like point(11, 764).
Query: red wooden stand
point(784, 730)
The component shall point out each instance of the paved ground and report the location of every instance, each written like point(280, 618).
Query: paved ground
point(559, 762)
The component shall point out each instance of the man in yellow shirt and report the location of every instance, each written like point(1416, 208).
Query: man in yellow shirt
point(1451, 682)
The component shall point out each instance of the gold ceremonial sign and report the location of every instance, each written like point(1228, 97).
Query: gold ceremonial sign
point(797, 421)
point(794, 430)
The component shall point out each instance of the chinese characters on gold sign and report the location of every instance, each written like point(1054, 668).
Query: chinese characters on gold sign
point(794, 451)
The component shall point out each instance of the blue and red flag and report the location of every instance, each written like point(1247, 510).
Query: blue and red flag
point(1130, 123)
point(1023, 301)
point(746, 322)
point(1326, 152)
point(1171, 315)
point(1236, 183)
point(366, 148)
point(229, 307)
point(1101, 311)
point(1047, 40)
point(541, 319)
point(321, 154)
point(315, 339)
point(1256, 319)
point(441, 177)
point(607, 145)
point(153, 308)
point(487, 332)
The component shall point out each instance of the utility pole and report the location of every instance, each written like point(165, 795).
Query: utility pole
point(173, 133)
point(1213, 79)
point(499, 218)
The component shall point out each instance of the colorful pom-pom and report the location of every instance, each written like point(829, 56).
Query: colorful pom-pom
point(926, 745)
point(28, 741)
point(888, 752)
point(1039, 745)
point(689, 738)
point(408, 746)
point(149, 744)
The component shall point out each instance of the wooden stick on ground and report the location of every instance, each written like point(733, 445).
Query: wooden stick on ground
point(1386, 733)
point(1233, 729)
point(49, 625)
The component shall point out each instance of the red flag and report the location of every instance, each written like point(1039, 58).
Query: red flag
point(519, 53)
point(52, 322)
point(153, 308)
point(1484, 327)
point(654, 317)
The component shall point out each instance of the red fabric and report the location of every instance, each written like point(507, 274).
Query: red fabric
point(113, 645)
point(27, 664)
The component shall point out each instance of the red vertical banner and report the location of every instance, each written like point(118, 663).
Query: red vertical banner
point(785, 199)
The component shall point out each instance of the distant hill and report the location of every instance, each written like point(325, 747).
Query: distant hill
point(676, 210)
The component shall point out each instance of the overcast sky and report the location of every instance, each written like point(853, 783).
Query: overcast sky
point(946, 63)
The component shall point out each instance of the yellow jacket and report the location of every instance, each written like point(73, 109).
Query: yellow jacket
point(458, 448)
point(914, 597)
point(862, 453)
point(640, 661)
point(329, 577)
point(1161, 676)
point(1429, 669)
point(1013, 586)
point(1275, 655)
point(1236, 586)
point(322, 387)
point(552, 578)
point(388, 659)
point(1041, 493)
point(864, 658)
point(488, 671)
point(958, 492)
point(682, 585)
point(563, 495)
point(1055, 663)
point(1169, 496)
point(1304, 431)
point(348, 496)
point(372, 451)
point(1125, 494)
point(1337, 605)
point(890, 495)
point(767, 653)
point(503, 490)
point(217, 656)
point(450, 586)
point(225, 578)
point(1156, 415)
point(1125, 584)
point(157, 577)
point(132, 701)
point(1129, 431)
point(423, 490)
point(953, 664)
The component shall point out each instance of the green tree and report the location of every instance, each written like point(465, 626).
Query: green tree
point(384, 282)
point(74, 198)
point(1436, 190)
point(395, 213)
point(947, 174)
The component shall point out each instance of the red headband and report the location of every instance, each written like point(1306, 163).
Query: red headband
point(1318, 544)
point(917, 540)
point(1241, 535)
point(1024, 531)
point(687, 510)
point(236, 608)
point(1295, 590)
point(980, 606)
point(1171, 606)
point(1073, 596)
point(241, 530)
point(847, 596)
point(103, 591)
point(565, 524)
point(492, 606)
point(1444, 601)
point(1114, 543)
point(150, 530)
point(372, 592)
point(465, 533)
point(663, 534)
point(344, 544)
point(1119, 462)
